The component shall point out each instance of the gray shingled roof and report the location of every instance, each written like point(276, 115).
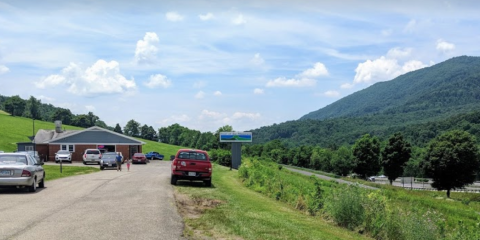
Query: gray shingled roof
point(44, 136)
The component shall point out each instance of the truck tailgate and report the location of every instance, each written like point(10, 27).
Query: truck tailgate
point(189, 165)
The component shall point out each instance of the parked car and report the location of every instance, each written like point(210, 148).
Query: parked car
point(21, 170)
point(108, 160)
point(32, 153)
point(63, 156)
point(192, 165)
point(92, 156)
point(139, 158)
point(154, 155)
point(1, 151)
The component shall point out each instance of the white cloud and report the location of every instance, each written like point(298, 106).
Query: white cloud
point(331, 93)
point(217, 93)
point(158, 80)
point(318, 70)
point(174, 17)
point(200, 95)
point(101, 78)
point(383, 69)
point(399, 52)
point(258, 91)
point(410, 27)
point(239, 20)
point(257, 60)
point(183, 118)
point(90, 108)
point(239, 115)
point(3, 69)
point(444, 46)
point(211, 114)
point(412, 66)
point(283, 82)
point(346, 86)
point(147, 49)
point(206, 17)
point(199, 84)
point(45, 98)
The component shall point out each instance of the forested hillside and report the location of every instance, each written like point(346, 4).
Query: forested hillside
point(420, 104)
point(447, 88)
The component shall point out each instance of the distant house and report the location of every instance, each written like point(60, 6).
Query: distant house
point(48, 142)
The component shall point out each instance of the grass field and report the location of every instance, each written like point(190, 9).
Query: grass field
point(229, 210)
point(53, 171)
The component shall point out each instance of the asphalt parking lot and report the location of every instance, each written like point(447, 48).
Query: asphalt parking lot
point(106, 205)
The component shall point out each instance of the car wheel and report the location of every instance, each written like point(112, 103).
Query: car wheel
point(84, 163)
point(33, 187)
point(173, 180)
point(208, 183)
point(42, 183)
point(101, 168)
point(56, 161)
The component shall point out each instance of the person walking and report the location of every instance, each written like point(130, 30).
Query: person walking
point(128, 161)
point(118, 158)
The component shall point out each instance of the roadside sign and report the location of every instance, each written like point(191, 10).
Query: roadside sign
point(236, 137)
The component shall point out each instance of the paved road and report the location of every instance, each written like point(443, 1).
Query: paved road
point(325, 177)
point(106, 205)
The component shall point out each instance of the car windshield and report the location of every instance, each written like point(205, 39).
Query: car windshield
point(139, 155)
point(108, 156)
point(63, 152)
point(13, 159)
point(93, 152)
point(192, 155)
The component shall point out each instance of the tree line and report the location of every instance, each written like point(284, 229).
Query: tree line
point(451, 159)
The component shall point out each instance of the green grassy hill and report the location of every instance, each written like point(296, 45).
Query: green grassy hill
point(18, 129)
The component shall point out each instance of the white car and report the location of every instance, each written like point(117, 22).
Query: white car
point(92, 155)
point(63, 156)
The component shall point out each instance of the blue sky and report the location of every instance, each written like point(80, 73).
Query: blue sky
point(206, 64)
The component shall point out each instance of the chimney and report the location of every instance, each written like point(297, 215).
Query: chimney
point(58, 126)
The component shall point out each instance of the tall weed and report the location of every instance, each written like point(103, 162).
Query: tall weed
point(345, 205)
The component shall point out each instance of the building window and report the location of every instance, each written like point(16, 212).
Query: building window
point(69, 147)
point(28, 148)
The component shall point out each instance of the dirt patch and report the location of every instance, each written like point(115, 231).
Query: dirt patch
point(191, 207)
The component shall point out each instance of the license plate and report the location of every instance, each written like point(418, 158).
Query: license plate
point(193, 174)
point(4, 173)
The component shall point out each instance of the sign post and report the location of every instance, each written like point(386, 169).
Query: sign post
point(236, 138)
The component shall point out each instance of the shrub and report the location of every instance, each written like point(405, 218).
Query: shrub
point(375, 205)
point(221, 156)
point(345, 205)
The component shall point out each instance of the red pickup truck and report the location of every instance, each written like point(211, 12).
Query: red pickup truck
point(193, 165)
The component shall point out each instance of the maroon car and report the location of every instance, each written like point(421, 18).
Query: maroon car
point(139, 158)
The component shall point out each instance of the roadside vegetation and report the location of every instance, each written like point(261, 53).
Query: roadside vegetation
point(388, 213)
point(229, 210)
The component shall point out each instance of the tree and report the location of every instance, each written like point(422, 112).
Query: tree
point(132, 128)
point(92, 118)
point(395, 155)
point(118, 129)
point(15, 105)
point(342, 161)
point(452, 160)
point(32, 108)
point(81, 120)
point(226, 128)
point(63, 115)
point(366, 155)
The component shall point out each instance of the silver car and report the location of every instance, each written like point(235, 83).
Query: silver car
point(21, 170)
point(108, 160)
point(63, 156)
